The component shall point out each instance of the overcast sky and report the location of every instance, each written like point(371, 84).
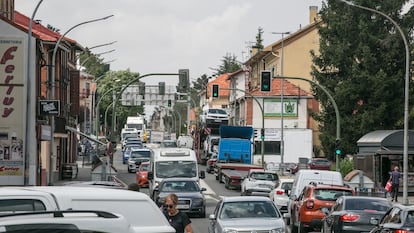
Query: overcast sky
point(162, 36)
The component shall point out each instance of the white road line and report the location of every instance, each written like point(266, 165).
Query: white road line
point(209, 193)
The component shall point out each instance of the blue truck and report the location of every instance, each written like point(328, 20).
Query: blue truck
point(234, 158)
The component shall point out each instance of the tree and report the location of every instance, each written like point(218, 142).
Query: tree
point(259, 39)
point(93, 63)
point(229, 65)
point(360, 62)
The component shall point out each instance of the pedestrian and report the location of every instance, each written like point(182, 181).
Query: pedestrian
point(395, 182)
point(177, 219)
point(133, 187)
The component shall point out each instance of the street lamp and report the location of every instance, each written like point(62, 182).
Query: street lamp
point(406, 95)
point(101, 45)
point(52, 87)
point(282, 92)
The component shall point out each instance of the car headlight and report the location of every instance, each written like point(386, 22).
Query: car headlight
point(197, 201)
point(277, 230)
point(229, 230)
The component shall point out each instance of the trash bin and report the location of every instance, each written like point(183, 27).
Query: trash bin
point(69, 171)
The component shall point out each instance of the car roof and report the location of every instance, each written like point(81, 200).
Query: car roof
point(244, 198)
point(363, 198)
point(179, 179)
point(139, 149)
point(329, 186)
point(263, 170)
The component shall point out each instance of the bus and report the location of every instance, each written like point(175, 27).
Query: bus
point(172, 162)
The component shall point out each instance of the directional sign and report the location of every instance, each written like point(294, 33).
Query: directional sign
point(49, 107)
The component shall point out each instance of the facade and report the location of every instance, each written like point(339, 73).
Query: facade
point(43, 152)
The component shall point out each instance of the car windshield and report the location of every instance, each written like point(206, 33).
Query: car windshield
point(367, 205)
point(248, 209)
point(264, 176)
point(179, 186)
point(168, 144)
point(144, 167)
point(286, 185)
point(217, 111)
point(140, 154)
point(320, 162)
point(330, 194)
point(166, 169)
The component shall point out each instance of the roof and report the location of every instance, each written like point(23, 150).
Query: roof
point(38, 30)
point(289, 88)
point(385, 142)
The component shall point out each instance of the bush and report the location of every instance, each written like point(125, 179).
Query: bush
point(346, 166)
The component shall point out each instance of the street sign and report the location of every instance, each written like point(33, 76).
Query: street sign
point(49, 107)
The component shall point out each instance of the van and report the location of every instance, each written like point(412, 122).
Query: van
point(305, 177)
point(170, 163)
point(137, 208)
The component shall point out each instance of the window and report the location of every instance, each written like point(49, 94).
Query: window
point(21, 205)
point(270, 147)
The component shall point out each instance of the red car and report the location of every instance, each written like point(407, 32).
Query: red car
point(319, 164)
point(142, 174)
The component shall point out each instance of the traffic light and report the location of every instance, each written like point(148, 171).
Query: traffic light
point(141, 88)
point(215, 90)
point(184, 80)
point(169, 103)
point(338, 151)
point(265, 80)
point(262, 133)
point(161, 88)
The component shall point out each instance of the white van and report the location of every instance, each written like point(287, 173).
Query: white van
point(137, 208)
point(307, 176)
point(172, 162)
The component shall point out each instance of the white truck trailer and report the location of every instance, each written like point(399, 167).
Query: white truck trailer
point(137, 122)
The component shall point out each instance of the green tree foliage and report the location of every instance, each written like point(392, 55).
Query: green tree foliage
point(346, 166)
point(361, 62)
point(113, 81)
point(93, 63)
point(229, 64)
point(259, 39)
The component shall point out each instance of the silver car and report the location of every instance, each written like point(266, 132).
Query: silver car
point(246, 214)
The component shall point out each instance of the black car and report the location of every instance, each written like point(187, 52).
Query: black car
point(354, 214)
point(190, 196)
point(400, 218)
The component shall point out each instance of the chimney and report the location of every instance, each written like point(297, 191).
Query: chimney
point(7, 9)
point(313, 14)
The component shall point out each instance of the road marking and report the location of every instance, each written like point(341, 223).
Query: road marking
point(209, 193)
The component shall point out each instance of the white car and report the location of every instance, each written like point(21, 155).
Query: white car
point(280, 195)
point(259, 182)
point(214, 117)
point(65, 221)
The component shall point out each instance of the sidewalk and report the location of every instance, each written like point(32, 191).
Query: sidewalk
point(84, 173)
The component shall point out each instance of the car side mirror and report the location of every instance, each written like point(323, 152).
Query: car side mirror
point(203, 189)
point(150, 176)
point(287, 192)
point(212, 217)
point(156, 189)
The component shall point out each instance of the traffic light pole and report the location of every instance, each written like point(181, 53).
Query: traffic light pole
point(263, 128)
point(338, 122)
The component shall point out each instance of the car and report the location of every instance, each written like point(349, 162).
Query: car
point(191, 199)
point(214, 117)
point(185, 141)
point(142, 174)
point(398, 219)
point(210, 163)
point(259, 182)
point(307, 214)
point(169, 144)
point(319, 164)
point(127, 151)
point(132, 141)
point(280, 194)
point(246, 214)
point(64, 221)
point(136, 157)
point(352, 214)
point(100, 184)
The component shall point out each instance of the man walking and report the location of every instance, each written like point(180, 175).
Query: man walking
point(395, 181)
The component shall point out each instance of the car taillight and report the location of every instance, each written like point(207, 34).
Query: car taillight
point(310, 204)
point(279, 192)
point(349, 217)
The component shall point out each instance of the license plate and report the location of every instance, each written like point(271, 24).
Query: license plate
point(217, 120)
point(183, 206)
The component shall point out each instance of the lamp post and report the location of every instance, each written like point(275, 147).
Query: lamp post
point(406, 95)
point(101, 45)
point(52, 89)
point(30, 126)
point(282, 90)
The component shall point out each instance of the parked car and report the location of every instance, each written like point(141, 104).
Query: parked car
point(354, 214)
point(214, 117)
point(65, 221)
point(142, 174)
point(398, 219)
point(210, 163)
point(280, 194)
point(127, 151)
point(190, 196)
point(136, 157)
point(259, 182)
point(307, 214)
point(319, 164)
point(246, 214)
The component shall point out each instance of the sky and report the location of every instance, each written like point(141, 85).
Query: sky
point(163, 36)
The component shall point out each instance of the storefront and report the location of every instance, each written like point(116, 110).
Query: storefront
point(381, 150)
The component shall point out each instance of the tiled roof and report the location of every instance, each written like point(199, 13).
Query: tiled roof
point(38, 30)
point(223, 82)
point(290, 89)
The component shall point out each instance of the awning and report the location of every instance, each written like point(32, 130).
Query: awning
point(385, 142)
